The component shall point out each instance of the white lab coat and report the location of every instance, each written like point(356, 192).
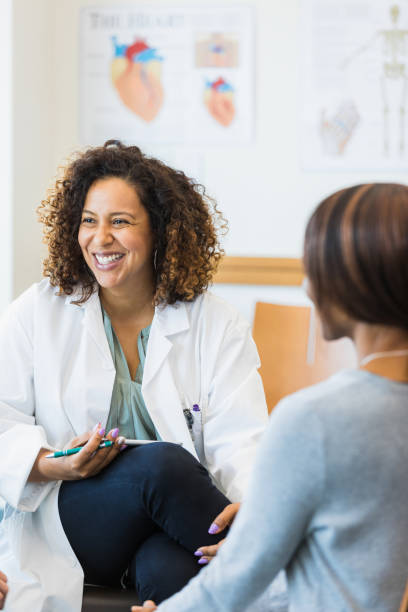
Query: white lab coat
point(56, 380)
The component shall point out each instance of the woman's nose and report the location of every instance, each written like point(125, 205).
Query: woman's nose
point(103, 234)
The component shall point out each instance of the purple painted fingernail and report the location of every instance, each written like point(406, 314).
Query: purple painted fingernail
point(115, 432)
point(196, 408)
point(203, 561)
point(213, 529)
point(122, 448)
point(101, 432)
point(198, 553)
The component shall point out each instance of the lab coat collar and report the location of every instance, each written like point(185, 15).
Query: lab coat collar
point(93, 322)
point(168, 320)
point(171, 319)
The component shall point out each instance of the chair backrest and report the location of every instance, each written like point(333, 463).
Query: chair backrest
point(285, 339)
point(404, 602)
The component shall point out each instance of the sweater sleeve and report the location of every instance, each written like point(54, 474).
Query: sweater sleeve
point(285, 489)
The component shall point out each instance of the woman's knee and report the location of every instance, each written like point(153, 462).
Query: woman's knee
point(163, 461)
point(167, 460)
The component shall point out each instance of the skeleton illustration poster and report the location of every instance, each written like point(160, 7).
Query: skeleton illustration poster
point(163, 76)
point(354, 83)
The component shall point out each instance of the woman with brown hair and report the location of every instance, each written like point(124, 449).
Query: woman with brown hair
point(122, 341)
point(328, 498)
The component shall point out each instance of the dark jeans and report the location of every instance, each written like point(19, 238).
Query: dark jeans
point(147, 512)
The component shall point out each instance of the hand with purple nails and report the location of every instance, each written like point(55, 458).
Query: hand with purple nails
point(88, 462)
point(3, 589)
point(221, 522)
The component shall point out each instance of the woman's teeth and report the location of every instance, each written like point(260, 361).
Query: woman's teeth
point(102, 259)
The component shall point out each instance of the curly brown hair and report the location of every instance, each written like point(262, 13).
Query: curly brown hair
point(184, 222)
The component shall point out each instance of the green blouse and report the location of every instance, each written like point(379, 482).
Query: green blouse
point(128, 411)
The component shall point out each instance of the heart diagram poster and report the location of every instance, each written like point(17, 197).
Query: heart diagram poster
point(163, 76)
point(354, 84)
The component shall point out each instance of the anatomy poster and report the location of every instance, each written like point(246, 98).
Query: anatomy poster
point(163, 76)
point(354, 84)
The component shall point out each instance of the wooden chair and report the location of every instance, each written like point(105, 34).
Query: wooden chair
point(404, 602)
point(292, 350)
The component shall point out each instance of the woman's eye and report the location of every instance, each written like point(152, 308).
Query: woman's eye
point(88, 220)
point(120, 222)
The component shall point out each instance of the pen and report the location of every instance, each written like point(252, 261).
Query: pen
point(73, 451)
point(105, 443)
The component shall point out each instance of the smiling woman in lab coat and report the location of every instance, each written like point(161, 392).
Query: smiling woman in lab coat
point(122, 340)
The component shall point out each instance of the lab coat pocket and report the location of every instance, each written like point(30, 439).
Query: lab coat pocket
point(194, 419)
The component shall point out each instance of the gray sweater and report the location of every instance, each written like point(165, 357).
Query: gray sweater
point(328, 502)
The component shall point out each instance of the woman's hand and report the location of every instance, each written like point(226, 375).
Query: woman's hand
point(4, 589)
point(223, 520)
point(147, 606)
point(91, 460)
point(88, 462)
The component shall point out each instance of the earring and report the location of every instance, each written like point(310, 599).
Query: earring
point(155, 260)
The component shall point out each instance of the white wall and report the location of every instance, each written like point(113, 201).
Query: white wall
point(244, 297)
point(6, 165)
point(261, 188)
point(34, 64)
